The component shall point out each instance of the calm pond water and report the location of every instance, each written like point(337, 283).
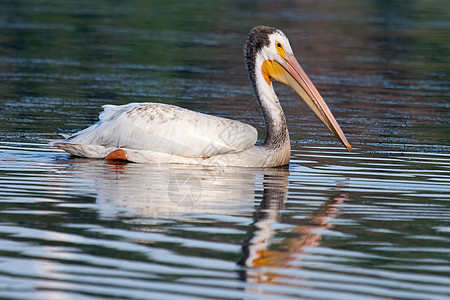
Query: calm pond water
point(370, 224)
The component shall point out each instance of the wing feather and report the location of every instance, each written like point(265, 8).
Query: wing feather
point(168, 129)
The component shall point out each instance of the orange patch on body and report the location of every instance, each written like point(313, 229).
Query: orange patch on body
point(118, 154)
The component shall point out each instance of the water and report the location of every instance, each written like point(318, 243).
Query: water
point(370, 224)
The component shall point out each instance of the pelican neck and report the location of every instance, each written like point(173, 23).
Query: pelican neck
point(277, 134)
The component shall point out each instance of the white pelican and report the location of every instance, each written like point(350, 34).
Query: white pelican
point(161, 133)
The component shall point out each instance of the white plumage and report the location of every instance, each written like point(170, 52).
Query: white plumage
point(164, 128)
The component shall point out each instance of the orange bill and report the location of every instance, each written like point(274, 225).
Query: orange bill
point(291, 73)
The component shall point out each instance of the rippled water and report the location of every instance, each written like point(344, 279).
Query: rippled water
point(370, 224)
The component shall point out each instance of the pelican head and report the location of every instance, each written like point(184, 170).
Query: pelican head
point(269, 55)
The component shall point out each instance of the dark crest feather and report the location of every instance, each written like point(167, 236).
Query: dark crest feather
point(256, 40)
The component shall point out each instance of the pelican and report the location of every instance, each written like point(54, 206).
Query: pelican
point(161, 133)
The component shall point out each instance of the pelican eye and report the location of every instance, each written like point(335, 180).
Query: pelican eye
point(280, 49)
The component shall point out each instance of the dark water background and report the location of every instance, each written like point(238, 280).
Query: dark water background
point(370, 224)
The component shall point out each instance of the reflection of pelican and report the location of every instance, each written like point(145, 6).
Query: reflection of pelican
point(176, 191)
point(159, 133)
point(257, 254)
point(275, 188)
point(172, 191)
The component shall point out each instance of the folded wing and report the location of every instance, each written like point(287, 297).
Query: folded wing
point(167, 129)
